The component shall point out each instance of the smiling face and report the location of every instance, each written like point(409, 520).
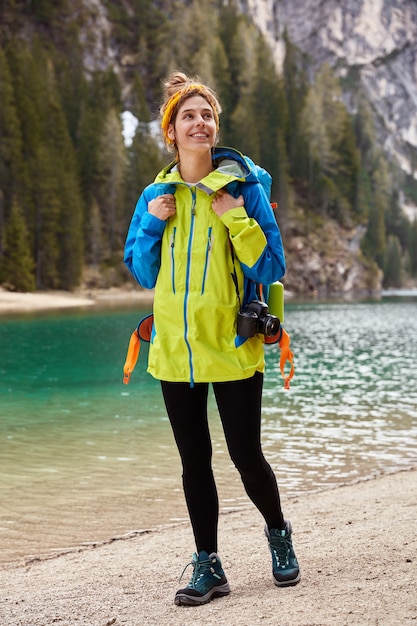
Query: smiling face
point(194, 127)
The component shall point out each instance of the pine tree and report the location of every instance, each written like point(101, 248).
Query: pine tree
point(282, 190)
point(393, 265)
point(365, 132)
point(271, 115)
point(16, 264)
point(47, 224)
point(242, 130)
point(313, 129)
point(112, 170)
point(396, 223)
point(381, 195)
point(334, 110)
point(364, 194)
point(72, 87)
point(412, 248)
point(296, 86)
point(374, 243)
point(222, 84)
point(347, 173)
point(335, 171)
point(139, 107)
point(65, 173)
point(145, 160)
point(198, 25)
point(95, 242)
point(267, 104)
point(10, 144)
point(27, 65)
point(90, 128)
point(99, 97)
point(229, 90)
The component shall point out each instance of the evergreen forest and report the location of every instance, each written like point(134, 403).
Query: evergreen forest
point(69, 180)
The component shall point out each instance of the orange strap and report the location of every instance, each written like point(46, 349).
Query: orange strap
point(286, 355)
point(143, 331)
point(132, 356)
point(283, 340)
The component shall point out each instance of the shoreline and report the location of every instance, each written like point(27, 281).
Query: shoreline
point(40, 549)
point(12, 302)
point(17, 302)
point(356, 545)
point(22, 558)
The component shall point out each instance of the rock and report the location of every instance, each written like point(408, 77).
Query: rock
point(328, 261)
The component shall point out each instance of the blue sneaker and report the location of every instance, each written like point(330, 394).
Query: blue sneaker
point(208, 581)
point(285, 568)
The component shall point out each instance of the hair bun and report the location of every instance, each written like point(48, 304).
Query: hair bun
point(176, 81)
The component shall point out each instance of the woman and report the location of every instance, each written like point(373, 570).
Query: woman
point(204, 235)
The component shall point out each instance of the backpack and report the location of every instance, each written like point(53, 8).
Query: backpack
point(264, 178)
point(268, 293)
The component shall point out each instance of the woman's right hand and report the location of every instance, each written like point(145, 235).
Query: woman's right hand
point(163, 206)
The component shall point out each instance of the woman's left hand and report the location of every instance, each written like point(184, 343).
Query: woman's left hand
point(223, 202)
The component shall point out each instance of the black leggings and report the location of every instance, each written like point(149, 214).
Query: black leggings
point(239, 404)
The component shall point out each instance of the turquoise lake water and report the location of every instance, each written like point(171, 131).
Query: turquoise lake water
point(85, 458)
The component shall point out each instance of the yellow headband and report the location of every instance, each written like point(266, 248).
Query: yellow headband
point(175, 99)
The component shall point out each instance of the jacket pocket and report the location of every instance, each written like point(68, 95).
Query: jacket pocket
point(207, 258)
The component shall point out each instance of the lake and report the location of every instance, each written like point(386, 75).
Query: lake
point(85, 458)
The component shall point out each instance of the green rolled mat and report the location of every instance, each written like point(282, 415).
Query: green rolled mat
point(276, 300)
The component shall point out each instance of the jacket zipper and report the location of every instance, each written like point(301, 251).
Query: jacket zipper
point(187, 286)
point(207, 259)
point(172, 245)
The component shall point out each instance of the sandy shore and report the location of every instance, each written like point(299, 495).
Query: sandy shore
point(14, 302)
point(357, 547)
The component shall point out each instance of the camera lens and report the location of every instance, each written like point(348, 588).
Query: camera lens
point(271, 325)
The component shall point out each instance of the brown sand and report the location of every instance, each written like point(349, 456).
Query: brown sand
point(16, 302)
point(357, 547)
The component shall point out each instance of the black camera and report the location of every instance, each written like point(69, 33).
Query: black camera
point(255, 318)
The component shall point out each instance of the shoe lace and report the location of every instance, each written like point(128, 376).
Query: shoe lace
point(199, 569)
point(281, 547)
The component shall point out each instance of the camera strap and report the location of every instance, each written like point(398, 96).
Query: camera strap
point(234, 275)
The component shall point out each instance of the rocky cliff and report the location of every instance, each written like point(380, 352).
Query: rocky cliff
point(324, 259)
point(372, 44)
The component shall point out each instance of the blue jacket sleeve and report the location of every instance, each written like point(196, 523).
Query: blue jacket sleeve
point(143, 243)
point(256, 237)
